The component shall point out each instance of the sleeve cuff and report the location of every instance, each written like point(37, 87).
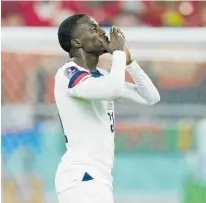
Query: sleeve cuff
point(119, 53)
point(134, 66)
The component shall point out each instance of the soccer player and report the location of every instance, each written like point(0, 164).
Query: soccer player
point(85, 96)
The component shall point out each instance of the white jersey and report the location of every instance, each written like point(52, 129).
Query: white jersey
point(85, 102)
point(87, 124)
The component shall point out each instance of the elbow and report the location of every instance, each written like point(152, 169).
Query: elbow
point(117, 91)
point(115, 87)
point(154, 100)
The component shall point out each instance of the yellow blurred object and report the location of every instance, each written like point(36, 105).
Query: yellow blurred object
point(37, 191)
point(172, 19)
point(185, 137)
point(10, 191)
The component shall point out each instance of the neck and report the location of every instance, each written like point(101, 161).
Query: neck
point(87, 61)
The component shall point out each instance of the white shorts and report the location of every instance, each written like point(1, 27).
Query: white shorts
point(72, 188)
point(92, 191)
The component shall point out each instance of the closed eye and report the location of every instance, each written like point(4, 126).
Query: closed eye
point(94, 28)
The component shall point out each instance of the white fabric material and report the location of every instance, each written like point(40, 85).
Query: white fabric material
point(93, 191)
point(109, 87)
point(144, 91)
point(87, 114)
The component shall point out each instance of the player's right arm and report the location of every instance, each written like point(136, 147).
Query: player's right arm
point(108, 87)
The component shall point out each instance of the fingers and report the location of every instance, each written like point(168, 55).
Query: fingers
point(117, 34)
point(112, 35)
point(122, 34)
point(117, 41)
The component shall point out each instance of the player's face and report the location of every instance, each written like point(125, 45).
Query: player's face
point(90, 35)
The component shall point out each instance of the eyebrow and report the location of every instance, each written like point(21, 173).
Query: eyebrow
point(95, 24)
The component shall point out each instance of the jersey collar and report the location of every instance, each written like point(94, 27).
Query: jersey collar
point(96, 74)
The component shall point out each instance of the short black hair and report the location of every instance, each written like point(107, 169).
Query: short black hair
point(66, 30)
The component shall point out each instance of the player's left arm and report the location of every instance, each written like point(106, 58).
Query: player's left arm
point(143, 91)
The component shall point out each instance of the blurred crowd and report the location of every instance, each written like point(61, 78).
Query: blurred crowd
point(120, 13)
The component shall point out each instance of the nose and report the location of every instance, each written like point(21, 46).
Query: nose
point(102, 32)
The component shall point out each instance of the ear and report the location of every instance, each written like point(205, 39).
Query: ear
point(76, 43)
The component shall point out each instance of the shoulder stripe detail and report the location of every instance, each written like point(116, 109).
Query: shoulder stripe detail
point(78, 77)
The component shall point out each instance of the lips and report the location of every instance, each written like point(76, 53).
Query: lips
point(106, 39)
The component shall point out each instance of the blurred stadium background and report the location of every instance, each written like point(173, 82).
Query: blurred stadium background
point(160, 150)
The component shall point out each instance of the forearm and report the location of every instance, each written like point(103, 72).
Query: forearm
point(132, 95)
point(116, 78)
point(144, 85)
